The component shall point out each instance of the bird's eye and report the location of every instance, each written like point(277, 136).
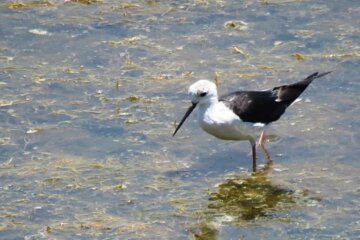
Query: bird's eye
point(203, 94)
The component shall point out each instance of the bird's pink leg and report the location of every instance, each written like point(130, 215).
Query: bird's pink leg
point(261, 138)
point(261, 144)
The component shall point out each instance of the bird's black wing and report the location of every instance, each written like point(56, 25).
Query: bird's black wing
point(266, 106)
point(288, 93)
point(255, 106)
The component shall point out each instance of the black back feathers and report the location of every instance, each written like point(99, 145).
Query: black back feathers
point(266, 106)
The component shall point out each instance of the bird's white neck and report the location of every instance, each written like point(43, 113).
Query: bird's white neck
point(204, 106)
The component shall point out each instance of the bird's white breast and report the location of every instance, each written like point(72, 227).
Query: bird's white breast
point(221, 122)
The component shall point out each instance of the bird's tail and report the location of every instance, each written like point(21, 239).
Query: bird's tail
point(289, 93)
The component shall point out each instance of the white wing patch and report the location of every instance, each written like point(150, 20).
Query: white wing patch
point(258, 124)
point(296, 100)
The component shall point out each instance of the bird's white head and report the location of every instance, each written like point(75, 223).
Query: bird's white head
point(203, 92)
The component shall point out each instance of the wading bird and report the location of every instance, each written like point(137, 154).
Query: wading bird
point(236, 115)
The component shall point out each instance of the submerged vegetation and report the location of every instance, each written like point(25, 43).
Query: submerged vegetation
point(90, 91)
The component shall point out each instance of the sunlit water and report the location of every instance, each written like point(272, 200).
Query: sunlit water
point(91, 91)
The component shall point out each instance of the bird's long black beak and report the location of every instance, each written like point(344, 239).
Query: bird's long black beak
point(190, 109)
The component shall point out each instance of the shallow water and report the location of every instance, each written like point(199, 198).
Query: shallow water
point(91, 91)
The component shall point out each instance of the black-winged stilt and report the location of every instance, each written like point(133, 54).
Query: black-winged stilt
point(234, 116)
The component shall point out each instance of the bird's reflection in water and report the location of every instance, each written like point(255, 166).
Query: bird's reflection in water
point(239, 201)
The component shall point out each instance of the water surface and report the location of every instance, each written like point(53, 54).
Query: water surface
point(91, 90)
